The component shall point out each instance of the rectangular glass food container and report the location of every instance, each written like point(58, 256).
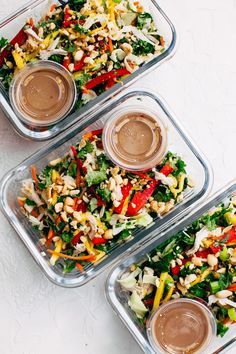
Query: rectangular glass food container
point(118, 299)
point(179, 142)
point(36, 9)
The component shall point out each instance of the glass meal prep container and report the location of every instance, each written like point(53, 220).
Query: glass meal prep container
point(179, 142)
point(36, 9)
point(118, 298)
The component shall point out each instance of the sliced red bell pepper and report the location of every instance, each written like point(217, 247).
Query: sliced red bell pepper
point(78, 175)
point(97, 132)
point(66, 62)
point(215, 249)
point(105, 77)
point(79, 64)
point(140, 198)
point(111, 82)
point(66, 20)
point(148, 302)
point(125, 190)
point(100, 201)
point(232, 287)
point(76, 239)
point(80, 166)
point(175, 270)
point(166, 169)
point(203, 253)
point(229, 237)
point(142, 175)
point(82, 207)
point(73, 149)
point(90, 135)
point(20, 39)
point(98, 240)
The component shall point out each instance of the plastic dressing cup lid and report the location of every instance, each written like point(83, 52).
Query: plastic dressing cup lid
point(135, 138)
point(42, 93)
point(181, 326)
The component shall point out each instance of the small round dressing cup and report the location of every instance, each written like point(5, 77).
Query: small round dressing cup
point(42, 93)
point(181, 326)
point(135, 138)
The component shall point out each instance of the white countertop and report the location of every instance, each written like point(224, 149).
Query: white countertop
point(199, 84)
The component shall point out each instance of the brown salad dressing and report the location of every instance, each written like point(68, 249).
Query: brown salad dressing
point(43, 94)
point(181, 328)
point(134, 140)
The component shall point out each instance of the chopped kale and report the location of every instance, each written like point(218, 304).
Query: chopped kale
point(3, 42)
point(141, 47)
point(76, 5)
point(66, 236)
point(80, 29)
point(30, 202)
point(88, 148)
point(57, 58)
point(105, 194)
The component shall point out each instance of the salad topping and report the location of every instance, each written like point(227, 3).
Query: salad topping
point(198, 262)
point(99, 42)
point(83, 205)
point(135, 139)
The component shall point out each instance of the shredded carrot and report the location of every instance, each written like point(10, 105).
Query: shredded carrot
point(52, 7)
point(140, 9)
point(110, 45)
point(87, 136)
point(136, 3)
point(34, 213)
point(21, 202)
point(58, 219)
point(162, 42)
point(84, 90)
point(34, 174)
point(31, 22)
point(51, 234)
point(88, 258)
point(80, 267)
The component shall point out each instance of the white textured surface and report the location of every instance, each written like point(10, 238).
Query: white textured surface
point(199, 84)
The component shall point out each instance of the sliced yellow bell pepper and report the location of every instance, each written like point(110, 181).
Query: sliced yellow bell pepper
point(48, 40)
point(29, 57)
point(88, 245)
point(20, 63)
point(77, 74)
point(169, 294)
point(55, 175)
point(201, 277)
point(96, 30)
point(160, 290)
point(175, 182)
point(99, 255)
point(58, 249)
point(54, 197)
point(101, 225)
point(230, 218)
point(180, 185)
